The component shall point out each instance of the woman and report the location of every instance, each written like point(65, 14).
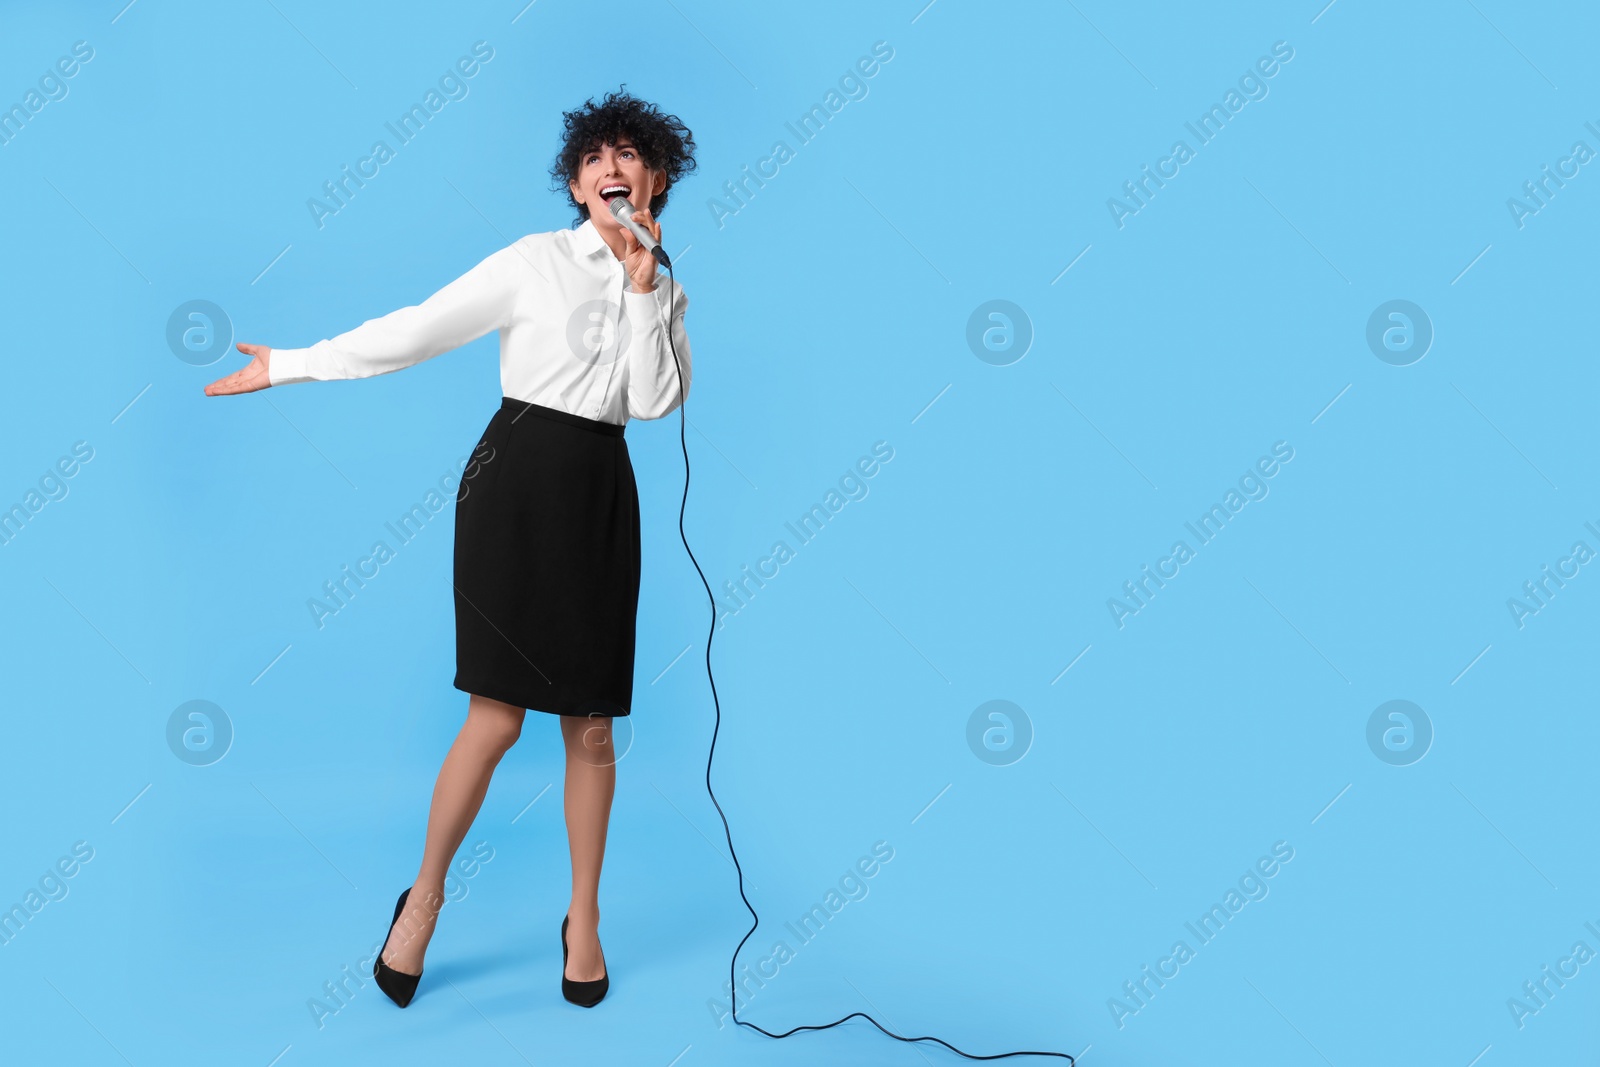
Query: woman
point(546, 566)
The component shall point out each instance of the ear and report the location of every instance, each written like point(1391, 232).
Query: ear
point(576, 190)
point(659, 184)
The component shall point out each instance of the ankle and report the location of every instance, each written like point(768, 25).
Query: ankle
point(430, 896)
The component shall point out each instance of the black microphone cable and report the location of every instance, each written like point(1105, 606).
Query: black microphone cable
point(755, 920)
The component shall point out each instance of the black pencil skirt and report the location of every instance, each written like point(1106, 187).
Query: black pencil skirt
point(547, 564)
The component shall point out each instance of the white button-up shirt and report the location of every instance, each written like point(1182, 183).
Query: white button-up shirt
point(573, 334)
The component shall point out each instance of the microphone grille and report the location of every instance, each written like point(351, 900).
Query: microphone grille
point(620, 207)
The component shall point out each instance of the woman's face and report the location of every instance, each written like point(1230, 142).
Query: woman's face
point(609, 171)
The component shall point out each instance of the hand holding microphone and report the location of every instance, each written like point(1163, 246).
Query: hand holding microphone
point(643, 237)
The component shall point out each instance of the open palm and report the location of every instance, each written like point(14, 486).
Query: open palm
point(247, 379)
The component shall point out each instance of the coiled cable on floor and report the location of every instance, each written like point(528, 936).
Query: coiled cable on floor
point(755, 920)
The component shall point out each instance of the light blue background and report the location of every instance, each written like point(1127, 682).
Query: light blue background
point(829, 313)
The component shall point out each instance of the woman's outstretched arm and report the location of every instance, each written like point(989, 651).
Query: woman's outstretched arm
point(480, 300)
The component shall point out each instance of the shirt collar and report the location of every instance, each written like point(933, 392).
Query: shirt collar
point(589, 239)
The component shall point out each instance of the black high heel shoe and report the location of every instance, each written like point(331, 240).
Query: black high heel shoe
point(398, 986)
point(583, 994)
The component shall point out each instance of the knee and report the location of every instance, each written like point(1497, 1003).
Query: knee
point(590, 737)
point(496, 727)
point(503, 734)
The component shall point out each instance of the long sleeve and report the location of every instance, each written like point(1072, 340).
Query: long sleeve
point(481, 300)
point(652, 372)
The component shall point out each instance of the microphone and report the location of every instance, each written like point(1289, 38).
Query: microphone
point(622, 210)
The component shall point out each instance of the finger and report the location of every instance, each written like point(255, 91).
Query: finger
point(232, 383)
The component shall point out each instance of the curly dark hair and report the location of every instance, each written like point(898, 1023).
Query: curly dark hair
point(663, 141)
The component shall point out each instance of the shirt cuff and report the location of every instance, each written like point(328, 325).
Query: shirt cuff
point(286, 366)
point(657, 295)
point(648, 310)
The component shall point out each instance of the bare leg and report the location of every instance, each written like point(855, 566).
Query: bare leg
point(490, 730)
point(591, 781)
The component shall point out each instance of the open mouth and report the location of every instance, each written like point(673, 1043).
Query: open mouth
point(611, 192)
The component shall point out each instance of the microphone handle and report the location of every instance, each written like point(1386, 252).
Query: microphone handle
point(646, 238)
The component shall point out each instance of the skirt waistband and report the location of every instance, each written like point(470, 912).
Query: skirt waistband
point(518, 408)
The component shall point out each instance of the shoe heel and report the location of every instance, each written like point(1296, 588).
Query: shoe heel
point(398, 986)
point(583, 994)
